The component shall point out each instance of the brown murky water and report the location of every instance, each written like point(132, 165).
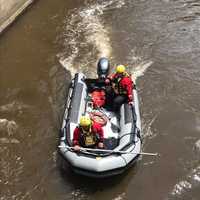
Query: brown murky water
point(158, 40)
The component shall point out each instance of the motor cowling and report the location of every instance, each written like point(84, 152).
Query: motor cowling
point(103, 67)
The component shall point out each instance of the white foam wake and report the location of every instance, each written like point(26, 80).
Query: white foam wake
point(140, 69)
point(14, 106)
point(84, 30)
point(192, 180)
point(9, 141)
point(197, 145)
point(137, 65)
point(9, 126)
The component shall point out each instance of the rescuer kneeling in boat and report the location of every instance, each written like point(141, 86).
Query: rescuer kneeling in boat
point(88, 134)
point(122, 87)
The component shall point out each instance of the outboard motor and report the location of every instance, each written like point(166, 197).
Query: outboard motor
point(103, 67)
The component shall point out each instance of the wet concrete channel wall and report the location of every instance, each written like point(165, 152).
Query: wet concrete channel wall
point(10, 10)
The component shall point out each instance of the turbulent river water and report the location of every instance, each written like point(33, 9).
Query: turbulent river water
point(159, 41)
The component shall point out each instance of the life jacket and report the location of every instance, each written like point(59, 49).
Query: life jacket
point(116, 83)
point(87, 138)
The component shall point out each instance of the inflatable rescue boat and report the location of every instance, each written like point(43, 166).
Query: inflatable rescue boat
point(122, 131)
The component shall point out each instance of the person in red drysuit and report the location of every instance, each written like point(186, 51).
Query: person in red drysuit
point(88, 134)
point(122, 87)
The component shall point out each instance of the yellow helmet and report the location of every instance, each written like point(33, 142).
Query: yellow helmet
point(120, 69)
point(85, 121)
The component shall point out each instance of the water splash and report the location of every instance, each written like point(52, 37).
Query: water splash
point(8, 126)
point(137, 65)
point(67, 63)
point(140, 69)
point(197, 145)
point(147, 127)
point(191, 181)
point(79, 194)
point(120, 196)
point(14, 106)
point(9, 141)
point(87, 37)
point(180, 187)
point(96, 32)
point(86, 30)
point(11, 169)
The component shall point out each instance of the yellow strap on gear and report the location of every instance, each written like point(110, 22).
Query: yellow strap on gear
point(89, 140)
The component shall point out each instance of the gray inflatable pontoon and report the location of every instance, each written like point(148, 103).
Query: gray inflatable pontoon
point(122, 132)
